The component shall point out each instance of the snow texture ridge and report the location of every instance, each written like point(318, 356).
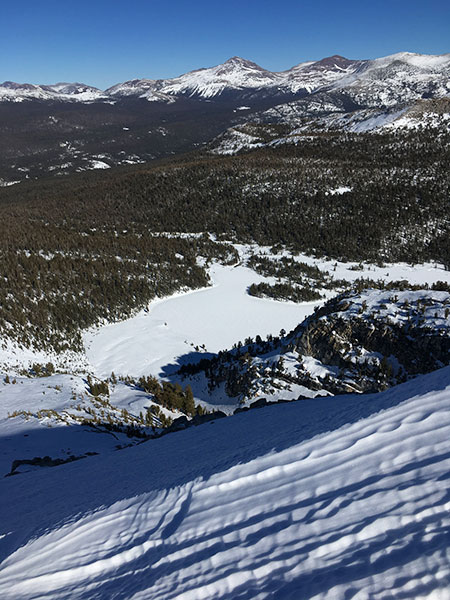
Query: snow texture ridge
point(314, 499)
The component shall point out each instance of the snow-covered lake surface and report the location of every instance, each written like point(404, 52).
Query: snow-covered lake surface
point(215, 317)
point(329, 498)
point(154, 341)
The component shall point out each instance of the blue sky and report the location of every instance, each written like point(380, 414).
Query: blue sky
point(104, 42)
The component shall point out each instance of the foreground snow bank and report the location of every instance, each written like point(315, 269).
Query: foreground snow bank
point(328, 498)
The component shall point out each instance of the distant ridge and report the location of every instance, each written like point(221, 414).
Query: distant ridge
point(241, 77)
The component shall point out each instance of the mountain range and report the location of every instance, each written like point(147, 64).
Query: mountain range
point(238, 105)
point(415, 74)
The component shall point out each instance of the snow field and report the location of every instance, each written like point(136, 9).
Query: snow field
point(315, 499)
point(156, 341)
point(217, 317)
point(44, 417)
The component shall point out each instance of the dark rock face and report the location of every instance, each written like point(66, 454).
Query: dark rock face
point(45, 461)
point(183, 422)
point(178, 425)
point(200, 419)
point(403, 349)
point(417, 351)
point(362, 343)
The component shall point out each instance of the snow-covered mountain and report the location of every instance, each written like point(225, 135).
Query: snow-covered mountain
point(243, 77)
point(327, 112)
point(69, 92)
point(311, 76)
point(401, 77)
point(236, 74)
point(383, 81)
point(76, 91)
point(18, 92)
point(139, 88)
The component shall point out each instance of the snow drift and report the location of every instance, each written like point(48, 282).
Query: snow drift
point(326, 498)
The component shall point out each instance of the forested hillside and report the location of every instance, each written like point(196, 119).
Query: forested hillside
point(89, 247)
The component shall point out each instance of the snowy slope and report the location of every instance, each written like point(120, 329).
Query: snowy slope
point(50, 416)
point(235, 74)
point(311, 76)
point(401, 77)
point(323, 112)
point(314, 499)
point(15, 92)
point(141, 88)
point(75, 91)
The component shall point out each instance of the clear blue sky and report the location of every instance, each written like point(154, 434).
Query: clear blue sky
point(104, 42)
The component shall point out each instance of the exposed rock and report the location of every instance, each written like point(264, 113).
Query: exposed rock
point(360, 342)
point(200, 419)
point(45, 461)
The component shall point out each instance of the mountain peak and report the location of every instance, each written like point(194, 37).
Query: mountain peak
point(233, 60)
point(74, 88)
point(12, 85)
point(334, 61)
point(239, 62)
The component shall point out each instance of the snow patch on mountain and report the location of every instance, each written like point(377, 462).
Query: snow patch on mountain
point(343, 189)
point(99, 164)
point(4, 183)
point(236, 139)
point(416, 121)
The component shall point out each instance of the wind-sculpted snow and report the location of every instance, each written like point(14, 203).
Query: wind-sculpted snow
point(314, 499)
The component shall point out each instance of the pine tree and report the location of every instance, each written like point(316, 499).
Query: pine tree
point(188, 402)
